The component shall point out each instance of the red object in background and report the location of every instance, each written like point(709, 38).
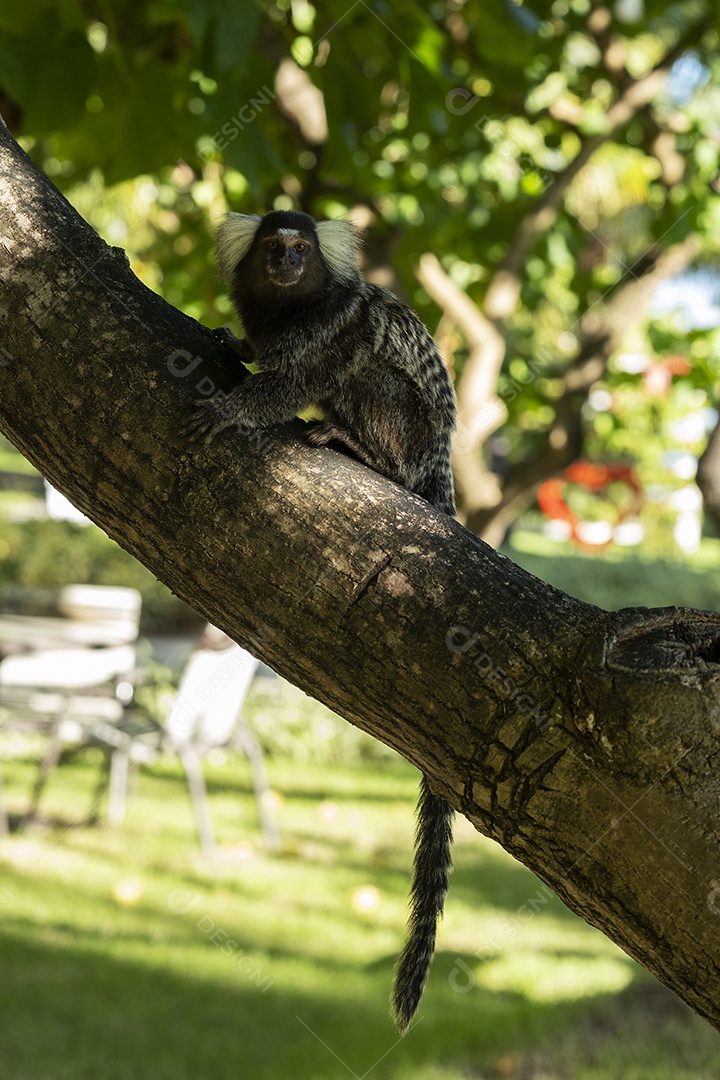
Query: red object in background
point(658, 376)
point(594, 478)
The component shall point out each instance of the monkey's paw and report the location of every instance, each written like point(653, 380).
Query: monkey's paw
point(207, 422)
point(239, 347)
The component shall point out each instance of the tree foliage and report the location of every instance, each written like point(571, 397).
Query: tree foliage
point(550, 157)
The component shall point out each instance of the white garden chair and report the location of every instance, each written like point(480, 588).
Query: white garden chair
point(205, 715)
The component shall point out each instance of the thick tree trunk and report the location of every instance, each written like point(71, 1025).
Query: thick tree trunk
point(585, 742)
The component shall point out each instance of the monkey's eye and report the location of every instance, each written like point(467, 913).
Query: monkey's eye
point(300, 246)
point(273, 245)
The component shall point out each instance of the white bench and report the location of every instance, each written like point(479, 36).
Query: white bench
point(69, 669)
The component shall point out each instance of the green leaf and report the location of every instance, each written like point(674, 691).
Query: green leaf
point(48, 70)
point(227, 28)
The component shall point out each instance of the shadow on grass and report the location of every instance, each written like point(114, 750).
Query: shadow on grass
point(73, 1014)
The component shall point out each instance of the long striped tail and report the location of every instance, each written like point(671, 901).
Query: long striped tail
point(431, 871)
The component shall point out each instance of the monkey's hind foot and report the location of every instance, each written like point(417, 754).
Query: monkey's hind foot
point(322, 433)
point(327, 432)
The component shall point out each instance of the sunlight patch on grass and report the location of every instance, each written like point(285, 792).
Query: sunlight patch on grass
point(544, 976)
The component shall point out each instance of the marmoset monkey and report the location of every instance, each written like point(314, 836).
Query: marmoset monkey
point(321, 334)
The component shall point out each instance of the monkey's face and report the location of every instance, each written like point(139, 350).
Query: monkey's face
point(285, 257)
point(276, 259)
point(290, 260)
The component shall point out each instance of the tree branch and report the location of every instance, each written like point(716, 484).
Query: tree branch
point(477, 385)
point(708, 476)
point(585, 742)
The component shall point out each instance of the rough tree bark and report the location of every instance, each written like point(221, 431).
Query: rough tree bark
point(586, 742)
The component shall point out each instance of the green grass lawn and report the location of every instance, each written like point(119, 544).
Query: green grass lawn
point(621, 577)
point(124, 956)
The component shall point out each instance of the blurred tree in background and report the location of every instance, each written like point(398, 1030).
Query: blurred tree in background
point(542, 168)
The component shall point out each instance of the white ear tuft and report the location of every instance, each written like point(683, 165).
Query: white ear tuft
point(340, 247)
point(234, 238)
